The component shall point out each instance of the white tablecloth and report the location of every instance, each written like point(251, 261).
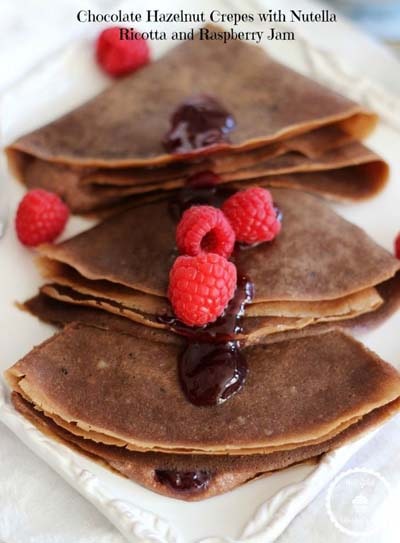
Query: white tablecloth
point(36, 505)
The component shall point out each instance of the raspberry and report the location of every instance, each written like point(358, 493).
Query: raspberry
point(205, 229)
point(252, 215)
point(200, 287)
point(397, 246)
point(120, 57)
point(41, 216)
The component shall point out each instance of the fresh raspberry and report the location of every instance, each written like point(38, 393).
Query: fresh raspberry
point(252, 215)
point(120, 57)
point(41, 216)
point(205, 229)
point(200, 287)
point(397, 246)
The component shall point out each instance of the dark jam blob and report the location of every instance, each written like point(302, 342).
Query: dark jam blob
point(212, 366)
point(210, 373)
point(183, 481)
point(200, 121)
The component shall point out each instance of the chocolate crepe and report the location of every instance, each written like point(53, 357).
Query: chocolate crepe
point(124, 125)
point(219, 473)
point(298, 392)
point(108, 267)
point(284, 122)
point(59, 313)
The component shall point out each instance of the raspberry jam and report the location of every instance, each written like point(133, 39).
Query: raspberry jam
point(200, 121)
point(183, 481)
point(210, 373)
point(212, 366)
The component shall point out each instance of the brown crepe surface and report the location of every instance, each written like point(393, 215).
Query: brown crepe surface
point(296, 391)
point(317, 256)
point(227, 472)
point(124, 125)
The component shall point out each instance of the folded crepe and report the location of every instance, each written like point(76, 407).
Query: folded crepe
point(352, 182)
point(253, 166)
point(285, 123)
point(353, 172)
point(320, 268)
point(121, 390)
point(59, 313)
point(195, 477)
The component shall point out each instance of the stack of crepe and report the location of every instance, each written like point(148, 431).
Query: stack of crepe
point(116, 398)
point(320, 268)
point(290, 132)
point(107, 384)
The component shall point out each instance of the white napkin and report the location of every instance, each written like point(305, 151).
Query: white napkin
point(38, 506)
point(381, 454)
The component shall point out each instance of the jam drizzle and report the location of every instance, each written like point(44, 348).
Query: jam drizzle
point(212, 366)
point(199, 122)
point(183, 481)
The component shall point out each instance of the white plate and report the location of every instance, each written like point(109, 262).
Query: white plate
point(259, 511)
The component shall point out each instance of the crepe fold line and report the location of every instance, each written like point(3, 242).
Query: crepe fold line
point(365, 172)
point(352, 154)
point(353, 182)
point(309, 145)
point(124, 387)
point(122, 249)
point(97, 437)
point(226, 472)
point(60, 313)
point(341, 185)
point(153, 306)
point(254, 328)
